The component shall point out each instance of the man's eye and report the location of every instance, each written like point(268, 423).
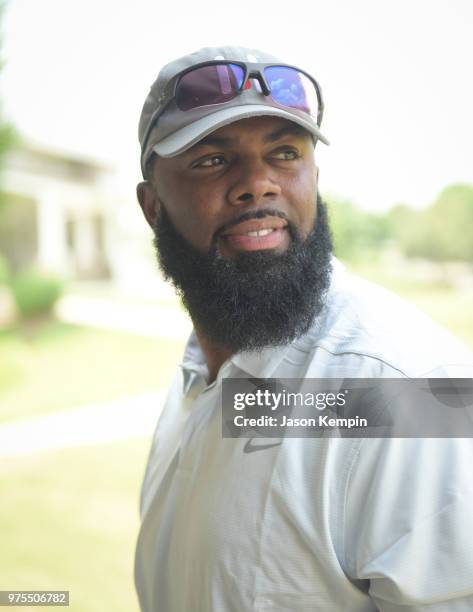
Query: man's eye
point(286, 154)
point(210, 162)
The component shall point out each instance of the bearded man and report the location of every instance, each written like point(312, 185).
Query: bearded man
point(301, 523)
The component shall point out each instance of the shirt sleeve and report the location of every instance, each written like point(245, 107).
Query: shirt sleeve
point(409, 523)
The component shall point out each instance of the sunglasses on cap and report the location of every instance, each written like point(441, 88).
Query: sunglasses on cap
point(219, 81)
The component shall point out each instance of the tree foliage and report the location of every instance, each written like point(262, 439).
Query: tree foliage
point(442, 232)
point(357, 234)
point(7, 133)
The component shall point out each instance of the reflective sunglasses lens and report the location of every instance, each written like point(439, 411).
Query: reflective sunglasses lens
point(292, 88)
point(209, 85)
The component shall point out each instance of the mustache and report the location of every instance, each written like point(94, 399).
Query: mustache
point(257, 214)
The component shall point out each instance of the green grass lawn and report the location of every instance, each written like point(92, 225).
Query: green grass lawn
point(70, 520)
point(54, 366)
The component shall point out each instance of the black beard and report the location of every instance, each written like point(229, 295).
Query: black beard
point(256, 299)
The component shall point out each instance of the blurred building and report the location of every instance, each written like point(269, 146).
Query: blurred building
point(62, 212)
point(54, 210)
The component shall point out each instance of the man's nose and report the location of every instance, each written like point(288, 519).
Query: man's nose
point(255, 183)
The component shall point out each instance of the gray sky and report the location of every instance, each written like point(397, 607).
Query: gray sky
point(396, 77)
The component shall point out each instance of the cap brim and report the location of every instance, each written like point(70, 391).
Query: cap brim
point(186, 137)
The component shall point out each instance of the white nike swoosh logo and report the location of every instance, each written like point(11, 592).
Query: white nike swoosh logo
point(251, 448)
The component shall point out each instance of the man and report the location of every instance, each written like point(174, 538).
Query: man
point(326, 523)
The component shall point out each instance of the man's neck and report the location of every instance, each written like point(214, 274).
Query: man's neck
point(214, 355)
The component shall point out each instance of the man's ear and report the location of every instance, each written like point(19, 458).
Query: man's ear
point(149, 201)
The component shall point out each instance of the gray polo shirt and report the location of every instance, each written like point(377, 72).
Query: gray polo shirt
point(324, 524)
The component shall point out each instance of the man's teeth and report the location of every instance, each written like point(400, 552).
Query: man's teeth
point(263, 232)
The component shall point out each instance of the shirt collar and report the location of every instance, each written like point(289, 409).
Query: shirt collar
point(193, 365)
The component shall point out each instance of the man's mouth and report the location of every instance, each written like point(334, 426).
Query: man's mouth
point(257, 234)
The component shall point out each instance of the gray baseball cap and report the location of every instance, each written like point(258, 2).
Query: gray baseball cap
point(171, 131)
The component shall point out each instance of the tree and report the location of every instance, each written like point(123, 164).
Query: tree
point(357, 234)
point(7, 141)
point(7, 133)
point(408, 229)
point(442, 232)
point(451, 223)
